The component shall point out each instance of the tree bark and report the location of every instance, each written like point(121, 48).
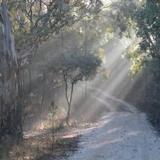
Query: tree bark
point(10, 82)
point(69, 105)
point(68, 97)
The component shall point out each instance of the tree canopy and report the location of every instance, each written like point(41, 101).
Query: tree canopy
point(34, 21)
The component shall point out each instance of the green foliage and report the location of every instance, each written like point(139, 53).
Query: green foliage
point(137, 61)
point(120, 16)
point(79, 67)
point(136, 57)
point(148, 24)
point(143, 17)
point(75, 68)
point(101, 54)
point(148, 30)
point(35, 21)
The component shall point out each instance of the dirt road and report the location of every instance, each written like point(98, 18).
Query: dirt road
point(119, 136)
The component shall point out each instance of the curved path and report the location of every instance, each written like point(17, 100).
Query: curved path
point(119, 136)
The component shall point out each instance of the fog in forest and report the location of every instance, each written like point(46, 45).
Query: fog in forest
point(74, 73)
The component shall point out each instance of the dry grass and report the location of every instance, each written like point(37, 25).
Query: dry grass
point(44, 146)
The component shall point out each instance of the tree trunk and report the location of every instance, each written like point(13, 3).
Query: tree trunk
point(68, 97)
point(10, 85)
point(69, 105)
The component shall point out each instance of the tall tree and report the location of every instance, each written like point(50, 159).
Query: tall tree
point(147, 18)
point(34, 21)
point(10, 96)
point(74, 68)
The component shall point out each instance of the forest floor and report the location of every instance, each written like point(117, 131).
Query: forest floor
point(123, 133)
point(119, 131)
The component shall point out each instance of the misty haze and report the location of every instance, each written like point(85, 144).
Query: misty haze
point(79, 80)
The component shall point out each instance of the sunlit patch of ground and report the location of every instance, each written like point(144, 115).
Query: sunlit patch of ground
point(119, 136)
point(44, 146)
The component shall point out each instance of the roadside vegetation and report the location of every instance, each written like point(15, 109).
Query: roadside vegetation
point(50, 48)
